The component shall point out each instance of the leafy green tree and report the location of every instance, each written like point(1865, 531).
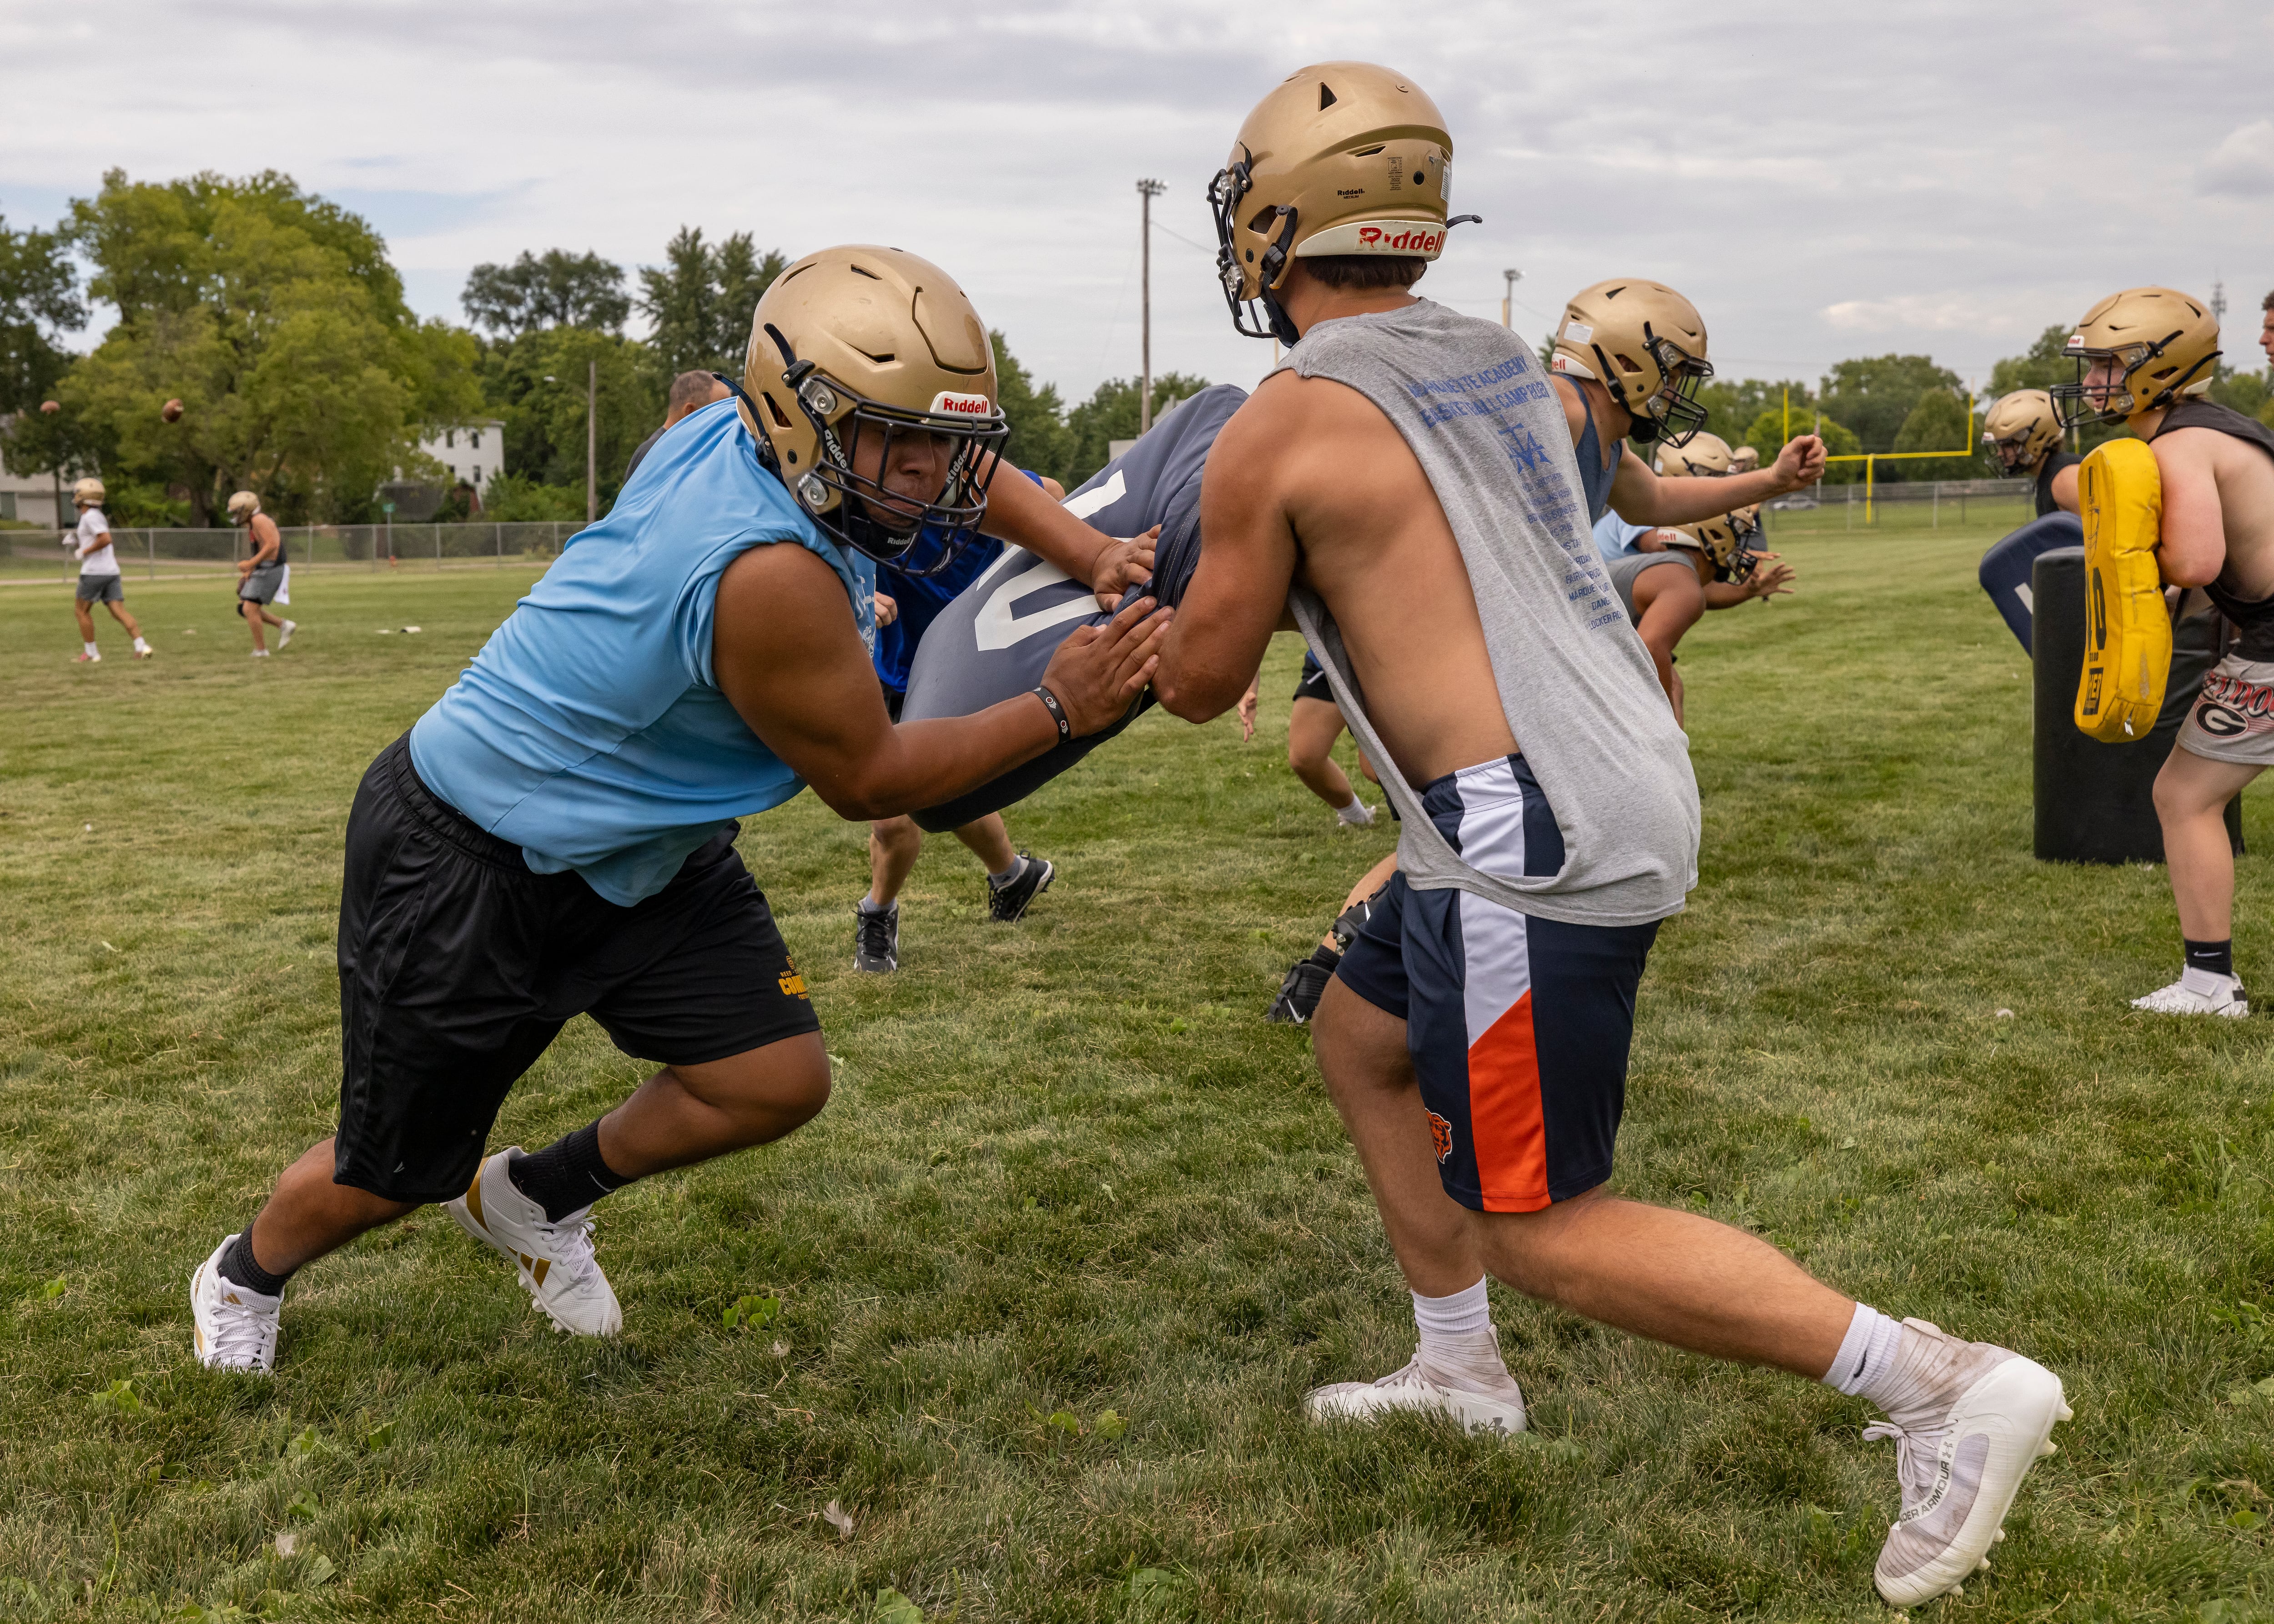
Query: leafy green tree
point(38, 299)
point(1039, 438)
point(1110, 414)
point(1731, 406)
point(1766, 436)
point(2245, 392)
point(1874, 394)
point(554, 290)
point(545, 420)
point(276, 320)
point(701, 299)
point(1939, 422)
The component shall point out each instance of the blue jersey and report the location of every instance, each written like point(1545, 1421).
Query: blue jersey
point(589, 731)
point(921, 597)
point(1614, 538)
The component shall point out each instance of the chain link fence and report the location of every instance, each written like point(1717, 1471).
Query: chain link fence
point(1908, 505)
point(161, 554)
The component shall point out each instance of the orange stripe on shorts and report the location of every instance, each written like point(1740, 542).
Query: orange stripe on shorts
point(1504, 1114)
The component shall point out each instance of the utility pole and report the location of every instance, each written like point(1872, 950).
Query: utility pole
point(1147, 191)
point(591, 440)
point(2218, 302)
point(1508, 297)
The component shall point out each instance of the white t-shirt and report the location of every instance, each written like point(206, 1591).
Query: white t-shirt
point(95, 560)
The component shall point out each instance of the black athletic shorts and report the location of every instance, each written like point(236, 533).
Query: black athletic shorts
point(458, 966)
point(1313, 683)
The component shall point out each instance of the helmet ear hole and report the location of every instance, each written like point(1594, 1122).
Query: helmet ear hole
point(1262, 220)
point(774, 406)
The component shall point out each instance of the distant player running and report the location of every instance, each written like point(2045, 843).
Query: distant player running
point(2144, 357)
point(100, 579)
point(1403, 482)
point(556, 835)
point(261, 575)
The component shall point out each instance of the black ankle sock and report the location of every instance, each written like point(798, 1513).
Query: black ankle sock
point(238, 1266)
point(567, 1174)
point(2216, 957)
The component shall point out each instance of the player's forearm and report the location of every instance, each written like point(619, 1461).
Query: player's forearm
point(923, 763)
point(1725, 594)
point(1021, 512)
point(1684, 499)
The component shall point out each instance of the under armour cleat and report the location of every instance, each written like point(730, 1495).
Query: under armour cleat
point(1420, 1390)
point(1961, 1462)
point(555, 1261)
point(2198, 993)
point(1008, 902)
point(876, 938)
point(234, 1326)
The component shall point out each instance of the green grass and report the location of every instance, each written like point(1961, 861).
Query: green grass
point(1069, 1170)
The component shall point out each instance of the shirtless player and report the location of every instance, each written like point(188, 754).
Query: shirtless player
point(2145, 357)
point(1402, 483)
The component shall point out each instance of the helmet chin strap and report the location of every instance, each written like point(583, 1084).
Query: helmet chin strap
point(766, 458)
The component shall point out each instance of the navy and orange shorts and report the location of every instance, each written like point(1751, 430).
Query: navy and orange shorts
point(1519, 1025)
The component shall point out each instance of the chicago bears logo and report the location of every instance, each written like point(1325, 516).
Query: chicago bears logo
point(1441, 1132)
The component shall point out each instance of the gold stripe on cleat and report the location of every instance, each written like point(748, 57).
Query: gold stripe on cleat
point(474, 1199)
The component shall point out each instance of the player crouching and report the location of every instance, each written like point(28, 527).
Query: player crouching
point(2145, 357)
point(556, 836)
point(2021, 436)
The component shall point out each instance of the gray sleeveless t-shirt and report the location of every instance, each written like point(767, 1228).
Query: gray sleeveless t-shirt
point(1575, 683)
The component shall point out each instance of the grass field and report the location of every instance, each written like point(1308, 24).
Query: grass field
point(1078, 1228)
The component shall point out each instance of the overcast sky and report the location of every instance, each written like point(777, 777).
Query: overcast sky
point(1823, 181)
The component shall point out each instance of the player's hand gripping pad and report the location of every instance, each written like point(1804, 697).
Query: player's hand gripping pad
point(994, 641)
point(2127, 632)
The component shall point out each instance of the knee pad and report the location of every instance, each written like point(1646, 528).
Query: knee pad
point(2128, 634)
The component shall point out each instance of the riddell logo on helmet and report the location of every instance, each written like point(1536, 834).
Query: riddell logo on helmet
point(948, 403)
point(1410, 240)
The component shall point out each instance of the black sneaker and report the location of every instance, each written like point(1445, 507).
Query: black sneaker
point(1010, 901)
point(1305, 984)
point(876, 938)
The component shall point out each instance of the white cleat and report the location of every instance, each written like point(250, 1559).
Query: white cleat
point(2198, 993)
point(1413, 1389)
point(1960, 1473)
point(555, 1261)
point(284, 635)
point(235, 1327)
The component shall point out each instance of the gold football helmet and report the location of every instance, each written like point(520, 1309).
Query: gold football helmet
point(1701, 456)
point(1342, 158)
point(1646, 344)
point(2019, 429)
point(1744, 459)
point(862, 341)
point(2149, 346)
point(1727, 541)
point(89, 491)
point(242, 506)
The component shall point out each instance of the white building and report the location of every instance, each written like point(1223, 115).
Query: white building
point(472, 452)
point(32, 498)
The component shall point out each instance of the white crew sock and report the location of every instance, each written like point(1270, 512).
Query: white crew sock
point(1866, 1359)
point(1460, 1348)
point(869, 905)
point(1358, 812)
point(141, 645)
point(91, 650)
point(1018, 867)
point(2204, 982)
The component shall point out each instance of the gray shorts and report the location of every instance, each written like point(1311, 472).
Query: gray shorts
point(261, 586)
point(101, 589)
point(2232, 720)
point(1627, 569)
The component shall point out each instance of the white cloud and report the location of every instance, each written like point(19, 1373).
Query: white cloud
point(1802, 181)
point(2243, 165)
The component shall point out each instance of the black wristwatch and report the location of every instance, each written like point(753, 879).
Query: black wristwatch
point(1057, 711)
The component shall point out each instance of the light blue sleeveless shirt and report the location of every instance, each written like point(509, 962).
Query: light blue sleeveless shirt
point(587, 731)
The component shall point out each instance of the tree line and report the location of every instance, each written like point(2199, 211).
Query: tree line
point(275, 317)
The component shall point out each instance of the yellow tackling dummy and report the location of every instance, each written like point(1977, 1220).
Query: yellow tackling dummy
point(2127, 642)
